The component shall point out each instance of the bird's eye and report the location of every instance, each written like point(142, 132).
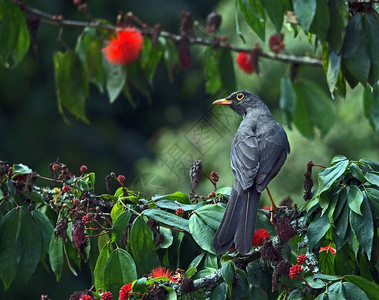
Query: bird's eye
point(240, 96)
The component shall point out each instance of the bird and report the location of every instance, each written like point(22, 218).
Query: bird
point(259, 150)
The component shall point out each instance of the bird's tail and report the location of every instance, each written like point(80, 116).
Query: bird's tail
point(238, 222)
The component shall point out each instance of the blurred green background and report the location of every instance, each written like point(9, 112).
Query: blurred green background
point(154, 144)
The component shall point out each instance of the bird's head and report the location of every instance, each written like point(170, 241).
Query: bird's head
point(240, 101)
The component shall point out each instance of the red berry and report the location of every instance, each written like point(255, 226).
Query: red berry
point(66, 189)
point(55, 167)
point(121, 178)
point(211, 195)
point(259, 237)
point(244, 61)
point(83, 169)
point(179, 211)
point(214, 176)
point(295, 270)
point(86, 297)
point(107, 296)
point(301, 259)
point(276, 43)
point(87, 218)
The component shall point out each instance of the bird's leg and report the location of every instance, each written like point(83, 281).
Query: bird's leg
point(273, 206)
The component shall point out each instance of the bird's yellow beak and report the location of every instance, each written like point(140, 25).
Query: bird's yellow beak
point(222, 102)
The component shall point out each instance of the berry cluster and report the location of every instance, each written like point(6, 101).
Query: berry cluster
point(295, 270)
point(179, 212)
point(214, 176)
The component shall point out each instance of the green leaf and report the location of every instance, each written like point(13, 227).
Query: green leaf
point(275, 10)
point(142, 245)
point(88, 48)
point(363, 226)
point(21, 169)
point(320, 23)
point(14, 34)
point(333, 72)
point(372, 29)
point(318, 104)
point(119, 269)
point(45, 227)
point(328, 176)
point(151, 56)
point(373, 196)
point(201, 232)
point(254, 15)
point(170, 56)
point(357, 172)
point(71, 84)
point(339, 15)
point(219, 292)
point(305, 11)
point(226, 69)
point(167, 218)
point(225, 191)
point(372, 177)
point(213, 79)
point(68, 262)
point(372, 164)
point(196, 261)
point(342, 221)
point(56, 256)
point(236, 20)
point(116, 211)
point(301, 117)
point(258, 275)
point(167, 237)
point(174, 205)
point(227, 272)
point(211, 215)
point(138, 78)
point(371, 106)
point(8, 247)
point(296, 294)
point(326, 277)
point(287, 99)
point(353, 292)
point(356, 56)
point(354, 198)
point(178, 196)
point(99, 278)
point(317, 230)
point(370, 288)
point(326, 262)
point(315, 283)
point(120, 225)
point(115, 78)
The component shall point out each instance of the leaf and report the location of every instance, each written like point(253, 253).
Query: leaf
point(170, 56)
point(236, 20)
point(372, 29)
point(56, 256)
point(372, 164)
point(342, 221)
point(372, 177)
point(219, 292)
point(354, 198)
point(8, 246)
point(301, 117)
point(71, 84)
point(321, 21)
point(326, 262)
point(21, 169)
point(120, 225)
point(115, 78)
point(318, 104)
point(254, 15)
point(201, 232)
point(211, 215)
point(339, 15)
point(333, 72)
point(305, 11)
point(151, 56)
point(225, 191)
point(99, 278)
point(167, 218)
point(14, 34)
point(315, 283)
point(196, 261)
point(226, 69)
point(370, 288)
point(371, 106)
point(116, 211)
point(326, 277)
point(227, 272)
point(275, 10)
point(178, 196)
point(356, 56)
point(45, 227)
point(287, 99)
point(363, 227)
point(142, 245)
point(357, 172)
point(119, 269)
point(68, 262)
point(167, 237)
point(138, 78)
point(213, 79)
point(373, 197)
point(317, 230)
point(353, 292)
point(174, 205)
point(296, 294)
point(328, 176)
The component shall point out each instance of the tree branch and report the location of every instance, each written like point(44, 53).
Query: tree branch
point(53, 20)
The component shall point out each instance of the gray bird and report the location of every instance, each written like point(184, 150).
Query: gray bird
point(259, 149)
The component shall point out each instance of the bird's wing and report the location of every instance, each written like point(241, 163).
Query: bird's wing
point(273, 149)
point(244, 158)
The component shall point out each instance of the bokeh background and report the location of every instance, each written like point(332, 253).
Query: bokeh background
point(153, 144)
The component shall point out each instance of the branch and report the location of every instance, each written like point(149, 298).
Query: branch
point(53, 20)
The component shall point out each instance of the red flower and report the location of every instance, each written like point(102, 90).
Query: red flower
point(179, 211)
point(161, 272)
point(87, 218)
point(125, 48)
point(120, 178)
point(125, 291)
point(83, 169)
point(66, 189)
point(244, 62)
point(301, 259)
point(295, 270)
point(86, 297)
point(107, 296)
point(327, 249)
point(259, 236)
